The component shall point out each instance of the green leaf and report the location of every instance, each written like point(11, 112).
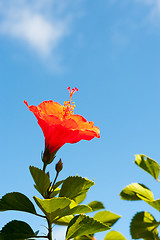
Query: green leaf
point(16, 201)
point(134, 190)
point(16, 230)
point(85, 237)
point(53, 207)
point(144, 225)
point(154, 203)
point(77, 210)
point(64, 221)
point(80, 198)
point(107, 217)
point(75, 186)
point(57, 184)
point(41, 179)
point(113, 235)
point(96, 205)
point(54, 192)
point(147, 164)
point(84, 225)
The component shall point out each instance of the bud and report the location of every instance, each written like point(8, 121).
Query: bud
point(59, 166)
point(48, 157)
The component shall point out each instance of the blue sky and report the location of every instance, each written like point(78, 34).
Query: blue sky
point(110, 50)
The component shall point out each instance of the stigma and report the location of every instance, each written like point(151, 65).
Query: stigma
point(68, 107)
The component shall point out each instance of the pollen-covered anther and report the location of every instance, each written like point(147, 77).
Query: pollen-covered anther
point(68, 107)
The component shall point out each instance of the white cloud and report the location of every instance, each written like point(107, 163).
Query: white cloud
point(34, 24)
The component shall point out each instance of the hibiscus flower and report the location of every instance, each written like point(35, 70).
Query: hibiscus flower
point(60, 125)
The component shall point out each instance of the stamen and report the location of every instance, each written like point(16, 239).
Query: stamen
point(68, 107)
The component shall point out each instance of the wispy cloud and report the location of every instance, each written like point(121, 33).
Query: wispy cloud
point(41, 25)
point(153, 6)
point(147, 2)
point(140, 14)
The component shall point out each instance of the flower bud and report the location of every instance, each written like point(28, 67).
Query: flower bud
point(48, 157)
point(59, 166)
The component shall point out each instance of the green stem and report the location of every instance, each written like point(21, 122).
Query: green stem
point(40, 215)
point(44, 167)
point(40, 237)
point(55, 178)
point(49, 230)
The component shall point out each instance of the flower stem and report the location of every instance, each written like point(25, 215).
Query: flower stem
point(40, 215)
point(49, 230)
point(55, 178)
point(44, 167)
point(40, 237)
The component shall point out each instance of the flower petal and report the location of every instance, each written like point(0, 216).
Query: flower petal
point(59, 129)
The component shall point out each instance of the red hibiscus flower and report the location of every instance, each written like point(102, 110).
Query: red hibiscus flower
point(60, 125)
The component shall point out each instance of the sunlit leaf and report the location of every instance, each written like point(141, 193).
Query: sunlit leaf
point(107, 217)
point(113, 235)
point(85, 237)
point(77, 210)
point(41, 179)
point(132, 192)
point(96, 205)
point(144, 225)
point(73, 210)
point(54, 192)
point(16, 201)
point(64, 221)
point(16, 230)
point(84, 225)
point(53, 207)
point(147, 164)
point(80, 198)
point(154, 203)
point(75, 186)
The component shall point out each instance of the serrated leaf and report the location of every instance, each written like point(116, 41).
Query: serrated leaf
point(144, 225)
point(76, 210)
point(16, 230)
point(96, 205)
point(16, 201)
point(41, 179)
point(75, 186)
point(64, 221)
point(147, 164)
point(114, 235)
point(132, 192)
point(84, 225)
point(53, 207)
point(107, 217)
